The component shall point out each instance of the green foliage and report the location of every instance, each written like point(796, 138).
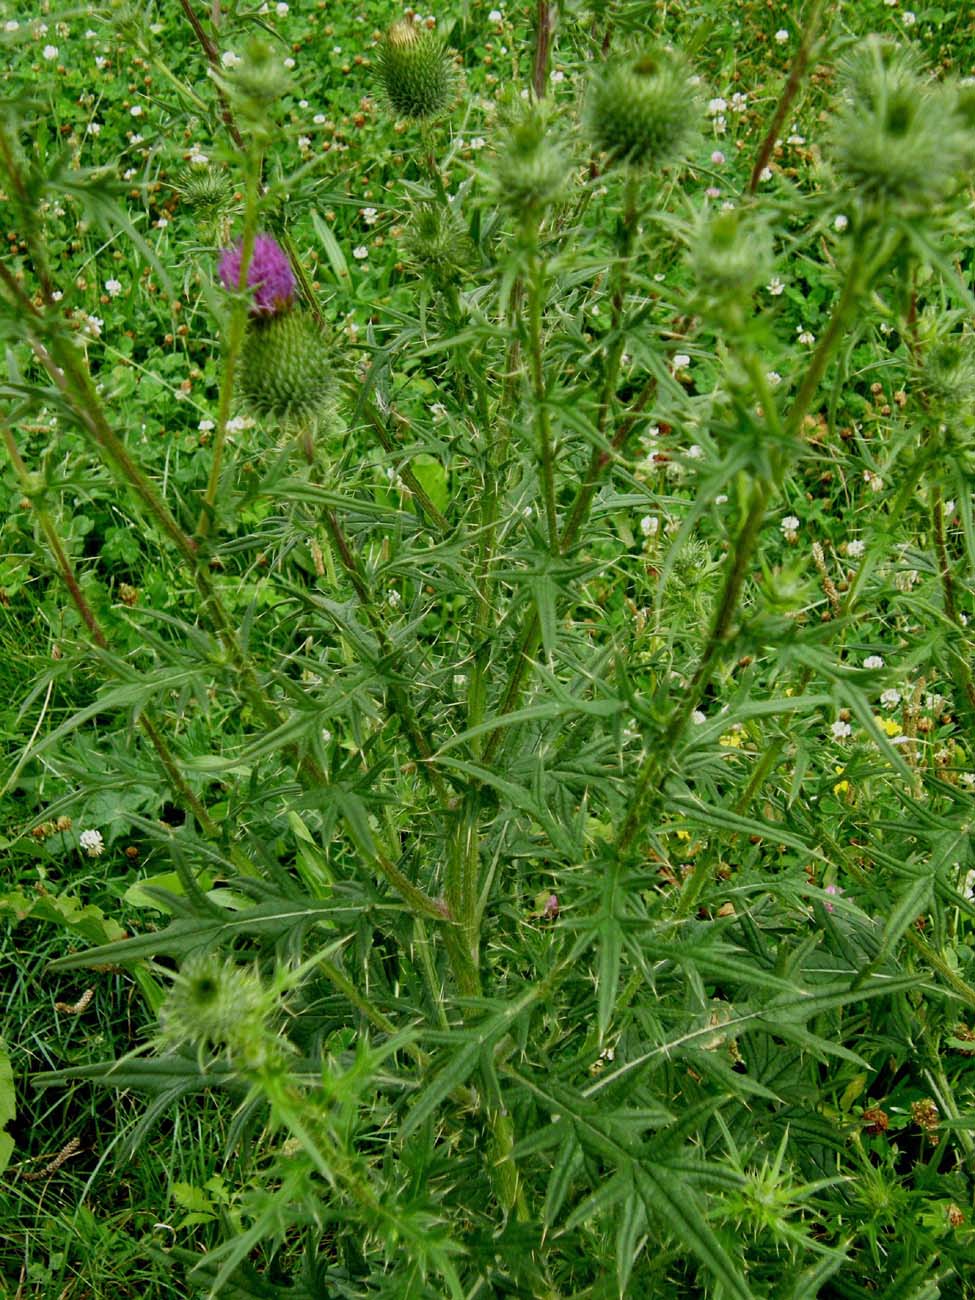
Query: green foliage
point(511, 835)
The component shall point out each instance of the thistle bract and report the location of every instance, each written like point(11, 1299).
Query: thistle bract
point(642, 109)
point(415, 71)
point(285, 370)
point(269, 275)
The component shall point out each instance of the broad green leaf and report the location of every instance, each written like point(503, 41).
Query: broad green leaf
point(432, 477)
point(8, 1106)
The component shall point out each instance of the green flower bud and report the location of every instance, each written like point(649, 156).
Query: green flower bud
point(415, 70)
point(216, 1005)
point(531, 167)
point(945, 371)
point(899, 141)
point(643, 109)
point(438, 246)
point(209, 192)
point(731, 255)
point(285, 369)
point(257, 84)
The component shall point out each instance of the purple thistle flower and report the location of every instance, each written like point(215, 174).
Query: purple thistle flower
point(269, 275)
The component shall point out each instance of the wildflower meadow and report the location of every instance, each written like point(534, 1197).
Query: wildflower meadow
point(487, 701)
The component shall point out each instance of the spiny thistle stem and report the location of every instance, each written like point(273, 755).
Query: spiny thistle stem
point(537, 290)
point(235, 341)
point(796, 74)
point(544, 23)
point(653, 771)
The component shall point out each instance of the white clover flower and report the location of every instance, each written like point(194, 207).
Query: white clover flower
point(697, 717)
point(92, 843)
point(360, 252)
point(319, 119)
point(765, 174)
point(840, 223)
point(289, 63)
point(721, 499)
point(113, 288)
point(230, 60)
point(908, 18)
point(198, 158)
point(394, 599)
point(93, 326)
point(370, 216)
point(840, 730)
point(873, 481)
point(205, 426)
point(806, 337)
point(93, 128)
point(478, 142)
point(557, 76)
point(128, 173)
point(890, 698)
point(716, 106)
point(681, 361)
point(649, 525)
point(136, 110)
point(856, 548)
point(11, 25)
point(162, 223)
point(495, 16)
point(781, 36)
point(775, 286)
point(949, 507)
point(50, 52)
point(789, 524)
point(739, 102)
point(100, 60)
point(694, 452)
point(967, 778)
point(719, 124)
point(281, 9)
point(873, 661)
point(717, 158)
point(774, 378)
point(304, 143)
point(239, 423)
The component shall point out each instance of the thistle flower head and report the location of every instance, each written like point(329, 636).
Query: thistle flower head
point(642, 109)
point(899, 141)
point(731, 254)
point(415, 71)
point(285, 369)
point(269, 275)
point(437, 244)
point(532, 165)
point(214, 1004)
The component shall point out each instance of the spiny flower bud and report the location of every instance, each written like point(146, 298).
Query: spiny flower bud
point(731, 255)
point(945, 362)
point(643, 109)
point(256, 84)
point(269, 275)
point(899, 141)
point(209, 192)
point(284, 369)
point(415, 70)
point(438, 246)
point(216, 1005)
point(531, 167)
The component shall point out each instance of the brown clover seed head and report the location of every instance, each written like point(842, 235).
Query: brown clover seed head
point(877, 1120)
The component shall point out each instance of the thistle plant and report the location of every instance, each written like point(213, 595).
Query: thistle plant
point(550, 791)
